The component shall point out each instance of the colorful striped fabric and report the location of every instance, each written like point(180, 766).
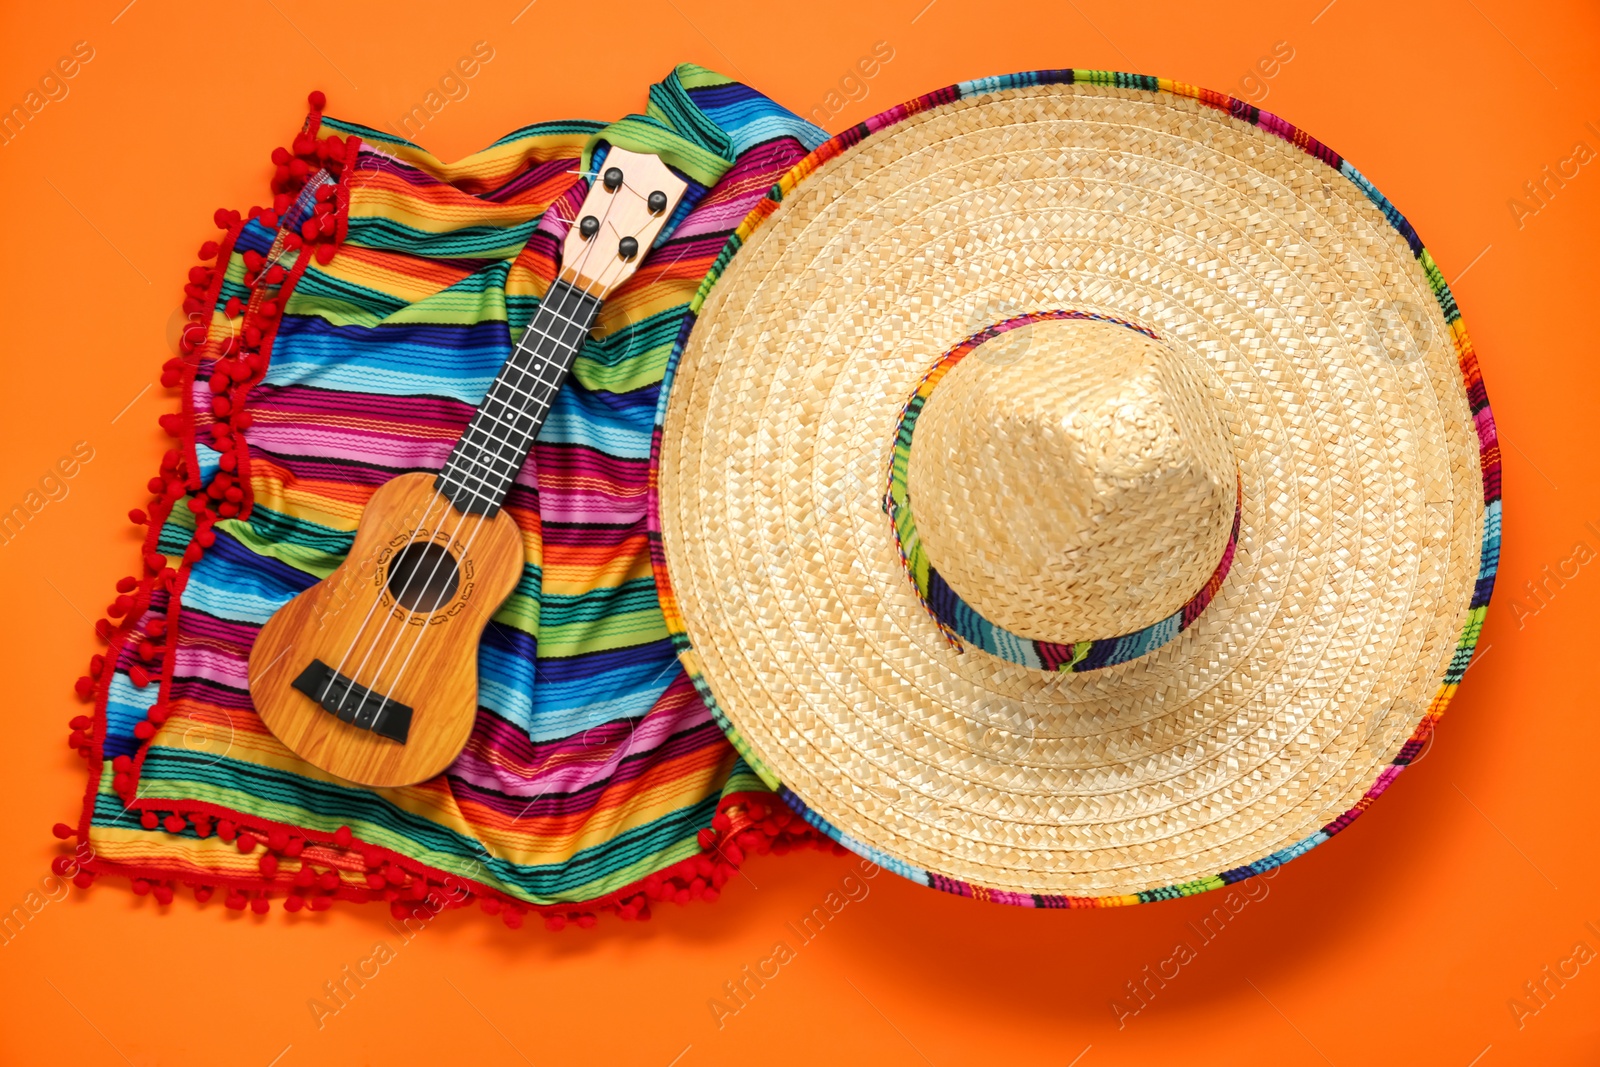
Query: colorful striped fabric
point(345, 335)
point(1489, 457)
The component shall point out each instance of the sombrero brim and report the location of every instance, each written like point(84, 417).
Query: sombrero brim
point(1369, 524)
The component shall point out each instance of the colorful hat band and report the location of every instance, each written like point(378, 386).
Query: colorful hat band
point(957, 619)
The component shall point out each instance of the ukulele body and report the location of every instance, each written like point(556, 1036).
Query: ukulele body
point(420, 584)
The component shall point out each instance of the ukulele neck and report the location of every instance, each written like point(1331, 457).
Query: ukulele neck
point(485, 461)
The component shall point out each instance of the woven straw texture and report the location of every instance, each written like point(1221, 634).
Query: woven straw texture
point(1073, 480)
point(1324, 342)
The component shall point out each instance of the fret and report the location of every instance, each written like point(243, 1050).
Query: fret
point(496, 443)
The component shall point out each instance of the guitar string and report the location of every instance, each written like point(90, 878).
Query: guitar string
point(481, 457)
point(563, 318)
point(439, 599)
point(438, 496)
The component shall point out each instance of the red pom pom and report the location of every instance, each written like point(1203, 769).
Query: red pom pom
point(139, 676)
point(399, 910)
point(174, 823)
point(318, 100)
point(321, 903)
point(121, 783)
point(85, 686)
point(202, 893)
point(295, 846)
point(246, 842)
point(342, 836)
point(141, 886)
point(209, 250)
point(83, 879)
point(586, 921)
point(328, 880)
point(235, 901)
point(81, 722)
point(148, 820)
point(62, 830)
point(269, 865)
point(202, 825)
point(61, 865)
point(144, 731)
point(553, 922)
point(489, 905)
point(162, 893)
point(293, 903)
point(305, 876)
point(277, 839)
point(324, 254)
point(706, 838)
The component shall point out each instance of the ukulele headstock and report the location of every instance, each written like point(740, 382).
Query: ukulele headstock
point(629, 202)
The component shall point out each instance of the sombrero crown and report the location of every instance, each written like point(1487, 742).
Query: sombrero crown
point(1072, 480)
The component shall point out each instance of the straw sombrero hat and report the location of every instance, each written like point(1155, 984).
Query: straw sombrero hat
point(1077, 489)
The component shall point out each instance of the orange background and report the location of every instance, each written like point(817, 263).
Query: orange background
point(1405, 938)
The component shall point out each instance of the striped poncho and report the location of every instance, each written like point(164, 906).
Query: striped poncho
point(343, 334)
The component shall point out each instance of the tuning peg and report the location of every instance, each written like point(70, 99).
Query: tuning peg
point(612, 178)
point(658, 202)
point(588, 226)
point(627, 248)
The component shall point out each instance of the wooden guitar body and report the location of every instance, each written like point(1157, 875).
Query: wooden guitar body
point(400, 619)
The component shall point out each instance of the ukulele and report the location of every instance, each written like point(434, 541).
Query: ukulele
point(372, 673)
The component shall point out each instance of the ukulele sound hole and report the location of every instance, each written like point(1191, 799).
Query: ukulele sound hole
point(423, 577)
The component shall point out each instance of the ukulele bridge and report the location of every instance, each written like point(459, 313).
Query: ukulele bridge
point(358, 705)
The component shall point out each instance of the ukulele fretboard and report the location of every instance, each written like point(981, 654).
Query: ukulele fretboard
point(486, 459)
